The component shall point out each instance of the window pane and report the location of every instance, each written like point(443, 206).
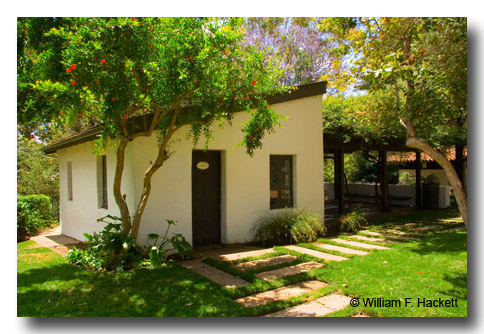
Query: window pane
point(102, 190)
point(280, 181)
point(69, 180)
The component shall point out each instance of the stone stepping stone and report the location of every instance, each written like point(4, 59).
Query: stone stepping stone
point(341, 249)
point(357, 244)
point(452, 220)
point(271, 261)
point(455, 229)
point(315, 253)
point(242, 255)
point(287, 271)
point(426, 228)
point(397, 237)
point(363, 238)
point(283, 293)
point(317, 308)
point(405, 233)
point(215, 275)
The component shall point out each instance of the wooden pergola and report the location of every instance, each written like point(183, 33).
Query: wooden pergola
point(332, 145)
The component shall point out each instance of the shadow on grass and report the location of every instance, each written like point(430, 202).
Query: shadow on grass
point(65, 290)
point(455, 242)
point(459, 286)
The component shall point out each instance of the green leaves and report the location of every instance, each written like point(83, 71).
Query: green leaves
point(110, 69)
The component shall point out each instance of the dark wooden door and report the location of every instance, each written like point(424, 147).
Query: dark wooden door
point(206, 189)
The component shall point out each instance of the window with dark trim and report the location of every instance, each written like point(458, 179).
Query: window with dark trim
point(281, 179)
point(102, 183)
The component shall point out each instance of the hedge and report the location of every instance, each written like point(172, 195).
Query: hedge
point(34, 213)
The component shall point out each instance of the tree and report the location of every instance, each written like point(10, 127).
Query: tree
point(170, 72)
point(298, 43)
point(423, 62)
point(36, 172)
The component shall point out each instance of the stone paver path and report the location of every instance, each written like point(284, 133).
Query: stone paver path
point(397, 237)
point(54, 240)
point(397, 232)
point(363, 238)
point(315, 253)
point(318, 308)
point(426, 228)
point(218, 276)
point(340, 249)
point(271, 261)
point(287, 271)
point(357, 244)
point(281, 293)
point(238, 256)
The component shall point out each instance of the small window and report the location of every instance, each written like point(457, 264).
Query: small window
point(69, 180)
point(102, 183)
point(281, 179)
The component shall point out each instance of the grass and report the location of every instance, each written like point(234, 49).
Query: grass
point(433, 267)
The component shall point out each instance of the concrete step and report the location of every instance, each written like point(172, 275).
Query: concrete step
point(215, 275)
point(318, 308)
point(283, 293)
point(315, 253)
point(271, 261)
point(287, 271)
point(357, 244)
point(389, 236)
point(340, 249)
point(242, 255)
point(363, 238)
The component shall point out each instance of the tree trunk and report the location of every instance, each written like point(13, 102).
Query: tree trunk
point(162, 156)
point(454, 181)
point(118, 177)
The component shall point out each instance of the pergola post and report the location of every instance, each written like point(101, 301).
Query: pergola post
point(339, 180)
point(384, 181)
point(418, 178)
point(460, 165)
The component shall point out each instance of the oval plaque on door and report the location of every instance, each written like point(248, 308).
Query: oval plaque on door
point(203, 165)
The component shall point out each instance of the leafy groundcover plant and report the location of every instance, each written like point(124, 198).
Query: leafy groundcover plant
point(111, 249)
point(289, 225)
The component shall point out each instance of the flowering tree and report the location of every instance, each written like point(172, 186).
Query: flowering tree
point(173, 72)
point(423, 63)
point(301, 47)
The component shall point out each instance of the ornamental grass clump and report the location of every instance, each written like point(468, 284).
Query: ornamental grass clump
point(289, 225)
point(353, 221)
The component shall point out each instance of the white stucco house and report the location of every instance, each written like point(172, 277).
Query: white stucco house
point(216, 195)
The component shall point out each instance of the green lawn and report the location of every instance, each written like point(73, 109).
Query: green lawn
point(432, 268)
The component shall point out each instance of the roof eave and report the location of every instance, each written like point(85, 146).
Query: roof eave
point(302, 91)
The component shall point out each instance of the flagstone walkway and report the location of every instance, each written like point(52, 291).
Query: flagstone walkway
point(313, 308)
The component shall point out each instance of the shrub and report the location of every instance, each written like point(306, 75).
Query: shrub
point(289, 225)
point(353, 221)
point(34, 213)
point(109, 249)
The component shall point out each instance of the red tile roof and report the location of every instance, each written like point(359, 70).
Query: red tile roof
point(411, 156)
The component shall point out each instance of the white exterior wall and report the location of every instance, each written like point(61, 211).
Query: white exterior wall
point(80, 215)
point(245, 179)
